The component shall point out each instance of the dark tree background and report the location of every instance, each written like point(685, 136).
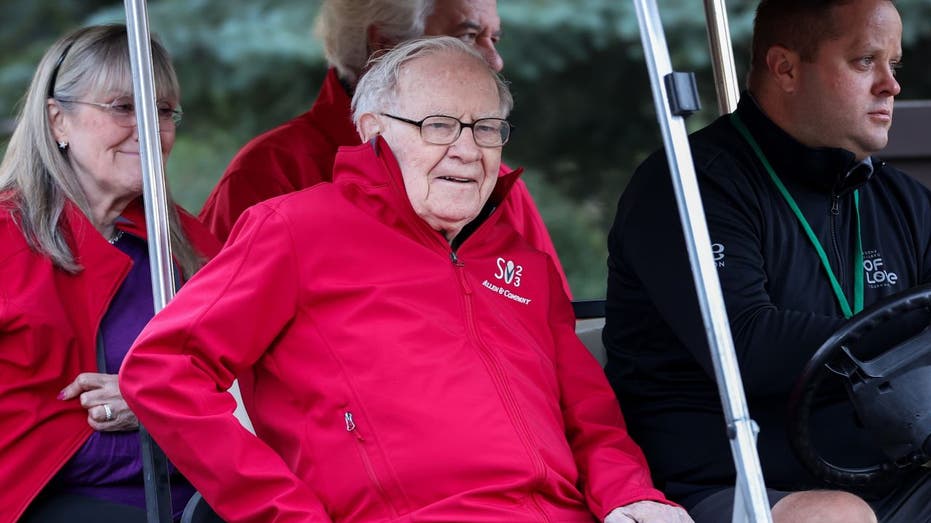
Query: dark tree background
point(584, 115)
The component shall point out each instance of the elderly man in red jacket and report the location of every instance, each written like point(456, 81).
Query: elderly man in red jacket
point(416, 361)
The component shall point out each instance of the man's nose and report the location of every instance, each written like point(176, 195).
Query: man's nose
point(465, 147)
point(887, 84)
point(490, 53)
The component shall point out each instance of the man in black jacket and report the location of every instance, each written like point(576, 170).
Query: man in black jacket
point(818, 105)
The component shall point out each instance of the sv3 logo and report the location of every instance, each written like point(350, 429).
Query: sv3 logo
point(509, 272)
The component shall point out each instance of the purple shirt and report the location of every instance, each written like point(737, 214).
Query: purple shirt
point(109, 464)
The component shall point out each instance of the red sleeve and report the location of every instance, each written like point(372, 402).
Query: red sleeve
point(176, 375)
point(612, 469)
point(524, 216)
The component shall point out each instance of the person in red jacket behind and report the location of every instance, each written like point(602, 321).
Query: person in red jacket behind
point(300, 153)
point(76, 289)
point(403, 352)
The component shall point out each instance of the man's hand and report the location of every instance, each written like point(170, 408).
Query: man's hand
point(100, 396)
point(648, 512)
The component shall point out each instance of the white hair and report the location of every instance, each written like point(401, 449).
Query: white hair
point(378, 87)
point(343, 27)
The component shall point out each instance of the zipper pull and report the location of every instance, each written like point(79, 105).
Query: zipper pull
point(835, 205)
point(459, 264)
point(350, 425)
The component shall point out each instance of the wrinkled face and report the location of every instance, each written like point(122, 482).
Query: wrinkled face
point(475, 22)
point(104, 154)
point(845, 95)
point(447, 184)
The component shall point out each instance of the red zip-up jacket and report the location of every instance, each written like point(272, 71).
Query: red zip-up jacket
point(299, 154)
point(48, 333)
point(389, 377)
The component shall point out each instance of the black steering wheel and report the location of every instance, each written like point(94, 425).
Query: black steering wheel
point(891, 394)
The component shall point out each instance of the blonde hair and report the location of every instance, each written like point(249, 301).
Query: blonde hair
point(36, 178)
point(343, 26)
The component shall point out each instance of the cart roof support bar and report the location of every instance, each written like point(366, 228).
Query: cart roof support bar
point(751, 503)
point(154, 462)
point(722, 56)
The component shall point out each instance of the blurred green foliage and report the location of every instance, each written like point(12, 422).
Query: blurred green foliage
point(583, 118)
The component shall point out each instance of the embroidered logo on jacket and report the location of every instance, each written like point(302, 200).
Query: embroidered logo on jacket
point(875, 272)
point(717, 249)
point(509, 273)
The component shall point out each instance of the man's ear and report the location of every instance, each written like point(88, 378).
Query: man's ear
point(56, 120)
point(783, 67)
point(368, 127)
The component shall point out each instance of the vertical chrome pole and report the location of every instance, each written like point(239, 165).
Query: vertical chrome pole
point(722, 56)
point(155, 464)
point(740, 428)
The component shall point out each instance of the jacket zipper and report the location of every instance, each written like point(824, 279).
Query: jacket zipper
point(835, 214)
point(500, 381)
point(367, 463)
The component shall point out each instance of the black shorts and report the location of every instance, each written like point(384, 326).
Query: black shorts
point(74, 508)
point(910, 503)
point(719, 506)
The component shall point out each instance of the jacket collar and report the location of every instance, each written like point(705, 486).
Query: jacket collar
point(104, 266)
point(84, 237)
point(370, 176)
point(828, 169)
point(333, 111)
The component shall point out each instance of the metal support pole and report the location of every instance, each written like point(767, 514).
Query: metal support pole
point(741, 429)
point(722, 56)
point(155, 464)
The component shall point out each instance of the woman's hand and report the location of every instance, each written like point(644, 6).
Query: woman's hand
point(648, 512)
point(100, 396)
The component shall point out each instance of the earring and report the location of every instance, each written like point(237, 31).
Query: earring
point(62, 145)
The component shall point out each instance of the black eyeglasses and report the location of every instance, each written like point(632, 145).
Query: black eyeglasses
point(444, 130)
point(54, 77)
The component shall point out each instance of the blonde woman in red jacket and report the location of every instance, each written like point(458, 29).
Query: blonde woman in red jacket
point(75, 287)
point(404, 354)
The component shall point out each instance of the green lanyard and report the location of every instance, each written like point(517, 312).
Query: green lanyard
point(858, 261)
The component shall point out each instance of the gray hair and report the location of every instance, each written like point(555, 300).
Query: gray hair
point(36, 178)
point(343, 26)
point(378, 87)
